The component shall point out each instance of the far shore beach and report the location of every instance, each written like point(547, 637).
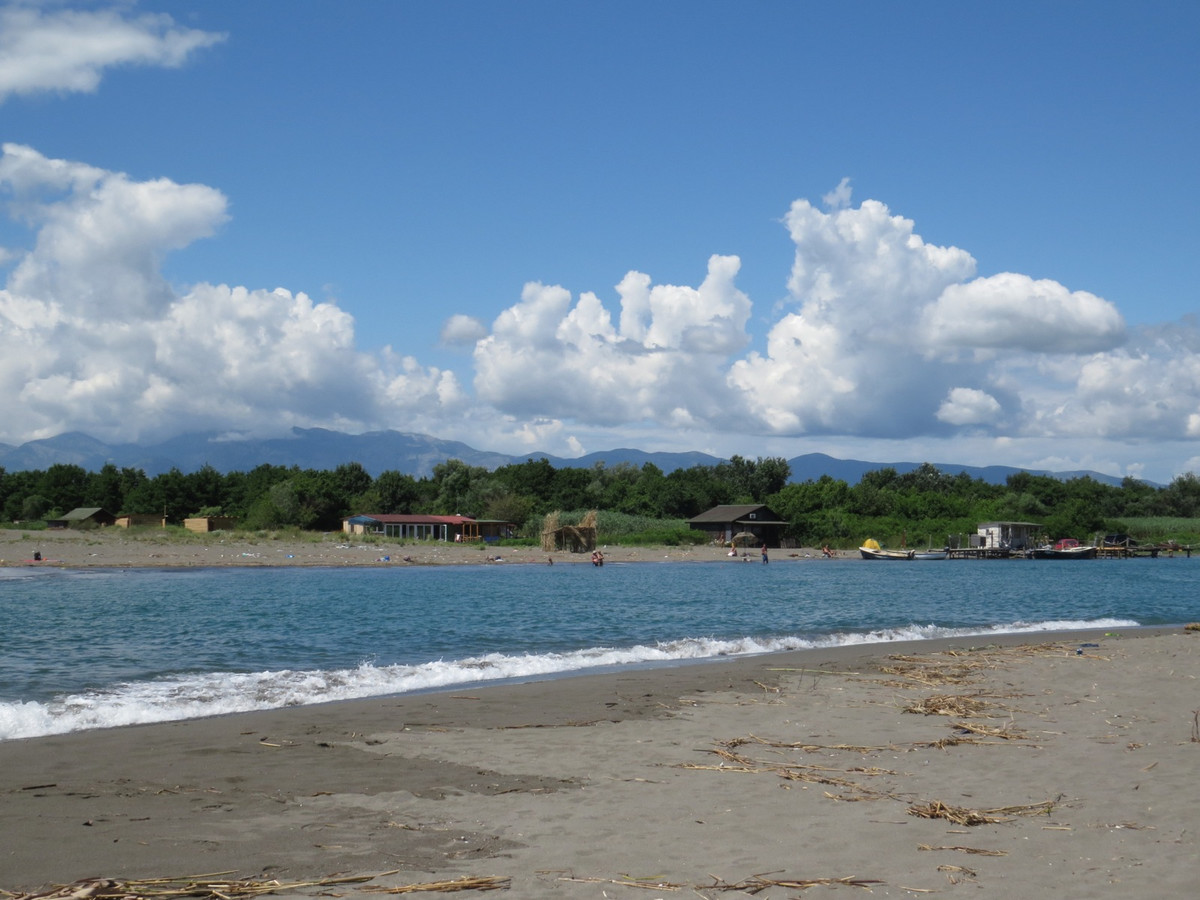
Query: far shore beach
point(1055, 764)
point(116, 547)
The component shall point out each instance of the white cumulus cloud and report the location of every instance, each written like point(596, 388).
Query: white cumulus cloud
point(884, 337)
point(460, 330)
point(93, 338)
point(967, 406)
point(551, 356)
point(68, 50)
point(1015, 312)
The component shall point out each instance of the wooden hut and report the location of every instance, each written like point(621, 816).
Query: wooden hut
point(751, 523)
point(210, 523)
point(83, 517)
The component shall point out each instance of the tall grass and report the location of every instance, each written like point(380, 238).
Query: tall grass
point(623, 528)
point(1154, 529)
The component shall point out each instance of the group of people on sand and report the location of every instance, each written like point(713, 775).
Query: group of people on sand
point(746, 556)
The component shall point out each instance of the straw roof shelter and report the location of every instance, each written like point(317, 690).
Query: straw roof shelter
point(579, 538)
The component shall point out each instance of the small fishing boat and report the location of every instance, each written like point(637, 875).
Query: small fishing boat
point(931, 554)
point(872, 550)
point(1067, 548)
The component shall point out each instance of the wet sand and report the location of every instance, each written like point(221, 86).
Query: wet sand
point(1076, 756)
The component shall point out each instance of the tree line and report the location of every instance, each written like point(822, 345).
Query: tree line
point(923, 504)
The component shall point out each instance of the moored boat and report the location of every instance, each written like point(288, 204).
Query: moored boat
point(931, 554)
point(1067, 548)
point(871, 549)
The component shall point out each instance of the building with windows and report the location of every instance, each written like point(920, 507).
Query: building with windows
point(752, 524)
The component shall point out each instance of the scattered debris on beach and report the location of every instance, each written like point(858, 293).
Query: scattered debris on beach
point(950, 705)
point(752, 885)
point(960, 849)
point(214, 887)
point(961, 815)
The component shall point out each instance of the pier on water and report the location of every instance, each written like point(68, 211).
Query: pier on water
point(1103, 551)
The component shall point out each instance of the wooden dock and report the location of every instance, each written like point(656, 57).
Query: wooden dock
point(1102, 552)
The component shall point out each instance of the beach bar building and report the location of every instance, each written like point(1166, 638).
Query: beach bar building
point(411, 526)
point(752, 523)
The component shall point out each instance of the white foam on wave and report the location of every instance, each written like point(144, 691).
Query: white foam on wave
point(219, 693)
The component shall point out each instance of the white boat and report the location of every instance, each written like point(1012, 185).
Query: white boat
point(931, 554)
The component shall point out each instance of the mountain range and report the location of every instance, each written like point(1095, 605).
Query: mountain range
point(412, 454)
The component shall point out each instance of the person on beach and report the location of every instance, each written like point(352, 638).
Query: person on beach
point(764, 554)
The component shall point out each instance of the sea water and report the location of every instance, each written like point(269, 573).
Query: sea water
point(96, 648)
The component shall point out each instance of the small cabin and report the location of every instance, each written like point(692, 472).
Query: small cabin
point(1006, 535)
point(751, 524)
point(210, 523)
point(136, 520)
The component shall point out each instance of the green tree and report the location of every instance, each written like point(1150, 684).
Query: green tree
point(396, 492)
point(455, 487)
point(1182, 496)
point(65, 487)
point(351, 480)
point(34, 507)
point(753, 482)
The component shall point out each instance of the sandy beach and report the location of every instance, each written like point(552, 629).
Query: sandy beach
point(115, 547)
point(1064, 767)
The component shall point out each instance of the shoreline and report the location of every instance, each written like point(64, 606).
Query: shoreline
point(117, 548)
point(785, 766)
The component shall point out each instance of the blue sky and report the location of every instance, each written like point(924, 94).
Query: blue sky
point(939, 231)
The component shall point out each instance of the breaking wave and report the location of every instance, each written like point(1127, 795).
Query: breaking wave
point(219, 693)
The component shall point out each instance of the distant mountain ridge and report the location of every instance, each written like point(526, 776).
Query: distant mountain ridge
point(413, 454)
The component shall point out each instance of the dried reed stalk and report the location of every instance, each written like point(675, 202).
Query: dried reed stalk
point(465, 883)
point(951, 705)
point(1005, 733)
point(758, 883)
point(644, 883)
point(196, 886)
point(961, 815)
point(809, 748)
point(735, 763)
point(974, 850)
point(930, 674)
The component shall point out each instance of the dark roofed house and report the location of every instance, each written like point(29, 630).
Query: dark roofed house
point(724, 523)
point(82, 517)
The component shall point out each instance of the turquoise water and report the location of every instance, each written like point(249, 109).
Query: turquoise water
point(93, 648)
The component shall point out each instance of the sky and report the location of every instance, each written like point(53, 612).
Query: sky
point(946, 232)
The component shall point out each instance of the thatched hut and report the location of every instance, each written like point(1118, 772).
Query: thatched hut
point(579, 538)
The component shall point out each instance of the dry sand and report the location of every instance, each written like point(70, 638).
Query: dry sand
point(709, 780)
point(115, 547)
